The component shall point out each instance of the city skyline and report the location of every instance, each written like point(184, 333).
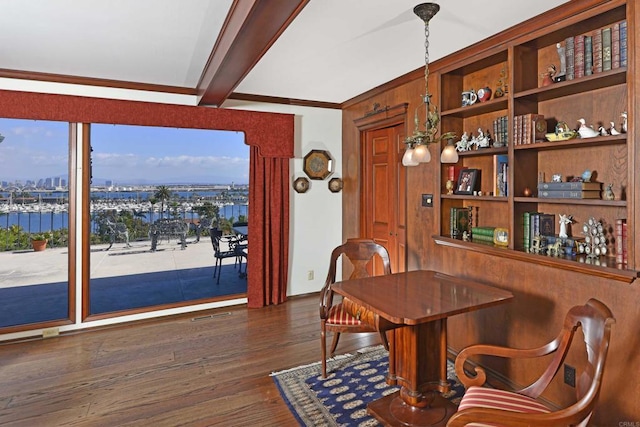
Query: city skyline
point(35, 149)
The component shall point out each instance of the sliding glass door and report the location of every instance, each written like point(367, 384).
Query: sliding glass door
point(34, 223)
point(154, 194)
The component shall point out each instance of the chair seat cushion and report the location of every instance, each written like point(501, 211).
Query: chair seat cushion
point(338, 316)
point(482, 397)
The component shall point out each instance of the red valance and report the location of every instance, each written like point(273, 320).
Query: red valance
point(272, 133)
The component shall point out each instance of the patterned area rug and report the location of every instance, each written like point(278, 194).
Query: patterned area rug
point(341, 399)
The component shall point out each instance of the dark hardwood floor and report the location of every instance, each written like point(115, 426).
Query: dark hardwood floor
point(186, 370)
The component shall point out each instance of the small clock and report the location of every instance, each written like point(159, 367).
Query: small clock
point(539, 128)
point(318, 164)
point(301, 185)
point(501, 237)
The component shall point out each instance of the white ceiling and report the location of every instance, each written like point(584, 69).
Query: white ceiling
point(333, 50)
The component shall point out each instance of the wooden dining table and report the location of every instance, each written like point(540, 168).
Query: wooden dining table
point(416, 305)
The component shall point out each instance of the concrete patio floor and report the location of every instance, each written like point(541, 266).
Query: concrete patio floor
point(33, 285)
point(21, 268)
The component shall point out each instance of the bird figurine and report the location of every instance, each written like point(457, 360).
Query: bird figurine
point(613, 130)
point(608, 193)
point(586, 176)
point(603, 131)
point(624, 121)
point(585, 131)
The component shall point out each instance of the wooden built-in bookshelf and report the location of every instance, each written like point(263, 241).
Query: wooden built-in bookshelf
point(600, 98)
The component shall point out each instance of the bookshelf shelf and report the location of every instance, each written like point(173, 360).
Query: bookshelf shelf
point(584, 84)
point(592, 202)
point(478, 108)
point(575, 143)
point(576, 265)
point(484, 152)
point(472, 198)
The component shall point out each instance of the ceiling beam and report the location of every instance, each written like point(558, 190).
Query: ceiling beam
point(249, 31)
point(285, 101)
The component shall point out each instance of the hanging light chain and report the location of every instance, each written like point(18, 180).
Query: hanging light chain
point(426, 62)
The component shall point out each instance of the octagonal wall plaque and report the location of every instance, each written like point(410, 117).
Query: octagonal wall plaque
point(335, 185)
point(318, 164)
point(301, 185)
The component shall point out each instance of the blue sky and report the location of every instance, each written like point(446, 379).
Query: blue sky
point(125, 154)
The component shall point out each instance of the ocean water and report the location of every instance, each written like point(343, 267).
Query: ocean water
point(36, 222)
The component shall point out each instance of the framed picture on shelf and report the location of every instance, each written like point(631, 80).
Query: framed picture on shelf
point(467, 181)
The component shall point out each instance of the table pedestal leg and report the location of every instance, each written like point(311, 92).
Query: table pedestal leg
point(420, 366)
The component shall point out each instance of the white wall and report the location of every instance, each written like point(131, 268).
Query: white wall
point(315, 216)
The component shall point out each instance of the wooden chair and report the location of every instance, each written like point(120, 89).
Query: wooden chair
point(481, 406)
point(334, 318)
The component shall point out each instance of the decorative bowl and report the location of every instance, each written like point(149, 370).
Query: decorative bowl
point(562, 136)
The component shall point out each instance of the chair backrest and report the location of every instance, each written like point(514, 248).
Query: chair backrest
point(215, 239)
point(360, 253)
point(595, 320)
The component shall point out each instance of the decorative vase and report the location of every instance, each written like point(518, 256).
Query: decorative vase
point(39, 245)
point(449, 186)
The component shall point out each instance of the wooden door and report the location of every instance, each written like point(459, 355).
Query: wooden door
point(383, 191)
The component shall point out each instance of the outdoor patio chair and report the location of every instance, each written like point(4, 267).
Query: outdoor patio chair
point(219, 254)
point(241, 245)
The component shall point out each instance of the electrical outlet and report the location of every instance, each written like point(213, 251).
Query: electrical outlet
point(51, 332)
point(310, 275)
point(569, 375)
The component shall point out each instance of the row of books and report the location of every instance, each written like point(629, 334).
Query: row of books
point(569, 190)
point(601, 50)
point(459, 221)
point(621, 241)
point(536, 224)
point(482, 234)
point(529, 129)
point(501, 131)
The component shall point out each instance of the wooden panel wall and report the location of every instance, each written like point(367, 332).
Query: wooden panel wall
point(543, 295)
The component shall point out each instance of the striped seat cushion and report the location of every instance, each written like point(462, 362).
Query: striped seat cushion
point(481, 397)
point(338, 316)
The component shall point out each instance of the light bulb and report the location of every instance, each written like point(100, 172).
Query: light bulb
point(421, 154)
point(407, 159)
point(449, 154)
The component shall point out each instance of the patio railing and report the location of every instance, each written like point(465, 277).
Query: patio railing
point(17, 228)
